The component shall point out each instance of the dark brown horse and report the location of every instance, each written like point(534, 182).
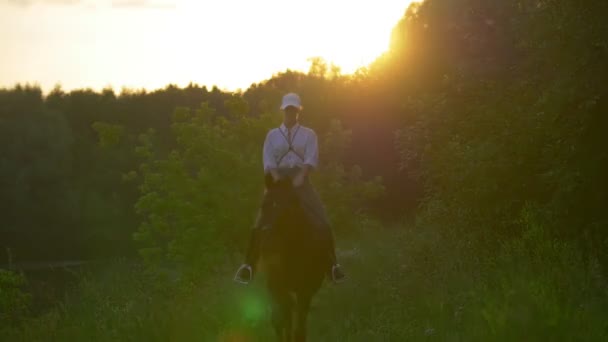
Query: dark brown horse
point(295, 262)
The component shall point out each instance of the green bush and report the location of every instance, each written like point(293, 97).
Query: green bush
point(199, 201)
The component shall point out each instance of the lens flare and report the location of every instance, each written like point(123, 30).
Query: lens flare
point(253, 308)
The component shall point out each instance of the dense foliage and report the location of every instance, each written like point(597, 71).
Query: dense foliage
point(509, 114)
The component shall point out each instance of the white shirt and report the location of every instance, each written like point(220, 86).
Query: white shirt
point(304, 148)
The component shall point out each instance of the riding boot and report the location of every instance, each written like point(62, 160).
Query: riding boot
point(335, 270)
point(244, 274)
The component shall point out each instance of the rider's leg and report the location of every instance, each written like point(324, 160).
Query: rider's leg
point(253, 252)
point(245, 273)
point(335, 272)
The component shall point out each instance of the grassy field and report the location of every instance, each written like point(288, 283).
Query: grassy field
point(404, 284)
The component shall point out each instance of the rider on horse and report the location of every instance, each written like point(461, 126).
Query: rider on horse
point(291, 151)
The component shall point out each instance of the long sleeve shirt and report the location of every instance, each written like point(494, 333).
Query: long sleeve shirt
point(287, 148)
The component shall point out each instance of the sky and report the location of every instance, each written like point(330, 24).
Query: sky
point(151, 43)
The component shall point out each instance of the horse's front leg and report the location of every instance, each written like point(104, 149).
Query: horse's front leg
point(302, 309)
point(282, 316)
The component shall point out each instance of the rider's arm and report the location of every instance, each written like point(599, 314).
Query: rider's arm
point(311, 158)
point(311, 153)
point(270, 164)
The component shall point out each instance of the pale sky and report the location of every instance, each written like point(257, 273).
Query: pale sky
point(151, 43)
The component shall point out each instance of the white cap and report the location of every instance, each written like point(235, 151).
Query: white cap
point(291, 99)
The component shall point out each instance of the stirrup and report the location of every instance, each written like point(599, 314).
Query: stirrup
point(333, 274)
point(241, 280)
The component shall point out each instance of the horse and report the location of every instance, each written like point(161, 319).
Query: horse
point(294, 260)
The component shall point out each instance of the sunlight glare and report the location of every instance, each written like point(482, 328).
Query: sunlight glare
point(230, 43)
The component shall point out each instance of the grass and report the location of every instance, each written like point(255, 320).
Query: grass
point(404, 284)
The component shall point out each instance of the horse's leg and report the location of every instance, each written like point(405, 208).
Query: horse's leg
point(289, 313)
point(281, 315)
point(277, 318)
point(302, 308)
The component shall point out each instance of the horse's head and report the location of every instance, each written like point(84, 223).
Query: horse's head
point(282, 193)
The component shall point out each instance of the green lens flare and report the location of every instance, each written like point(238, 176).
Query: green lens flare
point(253, 307)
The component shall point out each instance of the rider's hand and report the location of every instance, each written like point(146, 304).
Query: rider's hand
point(275, 175)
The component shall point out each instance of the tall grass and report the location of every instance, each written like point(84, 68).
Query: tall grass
point(404, 284)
